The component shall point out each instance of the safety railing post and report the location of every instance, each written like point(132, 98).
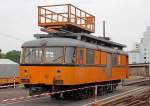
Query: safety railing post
point(95, 96)
point(14, 80)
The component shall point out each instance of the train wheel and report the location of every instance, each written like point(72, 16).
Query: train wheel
point(56, 96)
point(100, 91)
point(85, 94)
point(33, 91)
point(77, 95)
point(26, 86)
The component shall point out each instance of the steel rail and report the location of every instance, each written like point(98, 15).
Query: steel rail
point(115, 98)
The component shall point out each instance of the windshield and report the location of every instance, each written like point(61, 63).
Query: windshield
point(48, 55)
point(70, 55)
point(54, 55)
point(32, 55)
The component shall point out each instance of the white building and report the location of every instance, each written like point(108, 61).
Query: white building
point(134, 57)
point(8, 68)
point(141, 51)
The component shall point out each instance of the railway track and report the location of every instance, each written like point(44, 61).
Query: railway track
point(119, 98)
point(139, 82)
point(140, 95)
point(8, 86)
point(46, 101)
point(135, 97)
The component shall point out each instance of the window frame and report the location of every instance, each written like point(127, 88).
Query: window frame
point(24, 51)
point(75, 48)
point(93, 62)
point(114, 59)
point(44, 51)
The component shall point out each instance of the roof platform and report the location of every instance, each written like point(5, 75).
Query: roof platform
point(86, 38)
point(66, 17)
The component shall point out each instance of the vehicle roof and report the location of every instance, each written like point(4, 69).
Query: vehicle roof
point(58, 41)
point(79, 35)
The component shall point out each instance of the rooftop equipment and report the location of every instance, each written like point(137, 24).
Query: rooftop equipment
point(68, 21)
point(65, 17)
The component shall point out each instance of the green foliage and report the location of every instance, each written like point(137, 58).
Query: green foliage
point(2, 55)
point(13, 55)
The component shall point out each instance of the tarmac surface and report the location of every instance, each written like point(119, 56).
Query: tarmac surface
point(47, 101)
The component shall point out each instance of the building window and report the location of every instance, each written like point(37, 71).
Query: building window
point(144, 49)
point(89, 56)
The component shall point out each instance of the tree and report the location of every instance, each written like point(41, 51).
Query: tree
point(2, 55)
point(13, 55)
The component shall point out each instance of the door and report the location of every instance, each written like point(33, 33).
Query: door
point(108, 66)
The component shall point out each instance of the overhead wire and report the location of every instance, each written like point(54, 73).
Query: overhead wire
point(10, 36)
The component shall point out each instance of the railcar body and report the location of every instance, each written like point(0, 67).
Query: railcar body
point(60, 63)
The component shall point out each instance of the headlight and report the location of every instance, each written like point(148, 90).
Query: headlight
point(25, 72)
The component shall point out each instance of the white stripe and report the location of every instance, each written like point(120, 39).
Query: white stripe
point(21, 97)
point(5, 100)
point(14, 99)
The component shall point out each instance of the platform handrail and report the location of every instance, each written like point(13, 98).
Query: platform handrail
point(48, 16)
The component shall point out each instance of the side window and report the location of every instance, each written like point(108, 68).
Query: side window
point(97, 57)
point(103, 57)
point(89, 56)
point(70, 55)
point(119, 59)
point(127, 60)
point(22, 57)
point(81, 56)
point(114, 59)
point(124, 60)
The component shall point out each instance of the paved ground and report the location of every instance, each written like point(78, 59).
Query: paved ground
point(46, 101)
point(12, 93)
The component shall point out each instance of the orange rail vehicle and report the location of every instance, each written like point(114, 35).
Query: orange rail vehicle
point(64, 59)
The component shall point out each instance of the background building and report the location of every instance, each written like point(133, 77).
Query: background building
point(141, 51)
point(134, 57)
point(8, 68)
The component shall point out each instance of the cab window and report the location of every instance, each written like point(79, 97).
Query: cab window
point(54, 55)
point(32, 55)
point(70, 55)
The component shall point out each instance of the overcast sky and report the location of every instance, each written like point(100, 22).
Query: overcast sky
point(126, 20)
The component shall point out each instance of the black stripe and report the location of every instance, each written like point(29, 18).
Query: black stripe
point(119, 66)
point(78, 65)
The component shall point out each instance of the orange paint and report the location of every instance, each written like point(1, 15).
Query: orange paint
point(76, 74)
